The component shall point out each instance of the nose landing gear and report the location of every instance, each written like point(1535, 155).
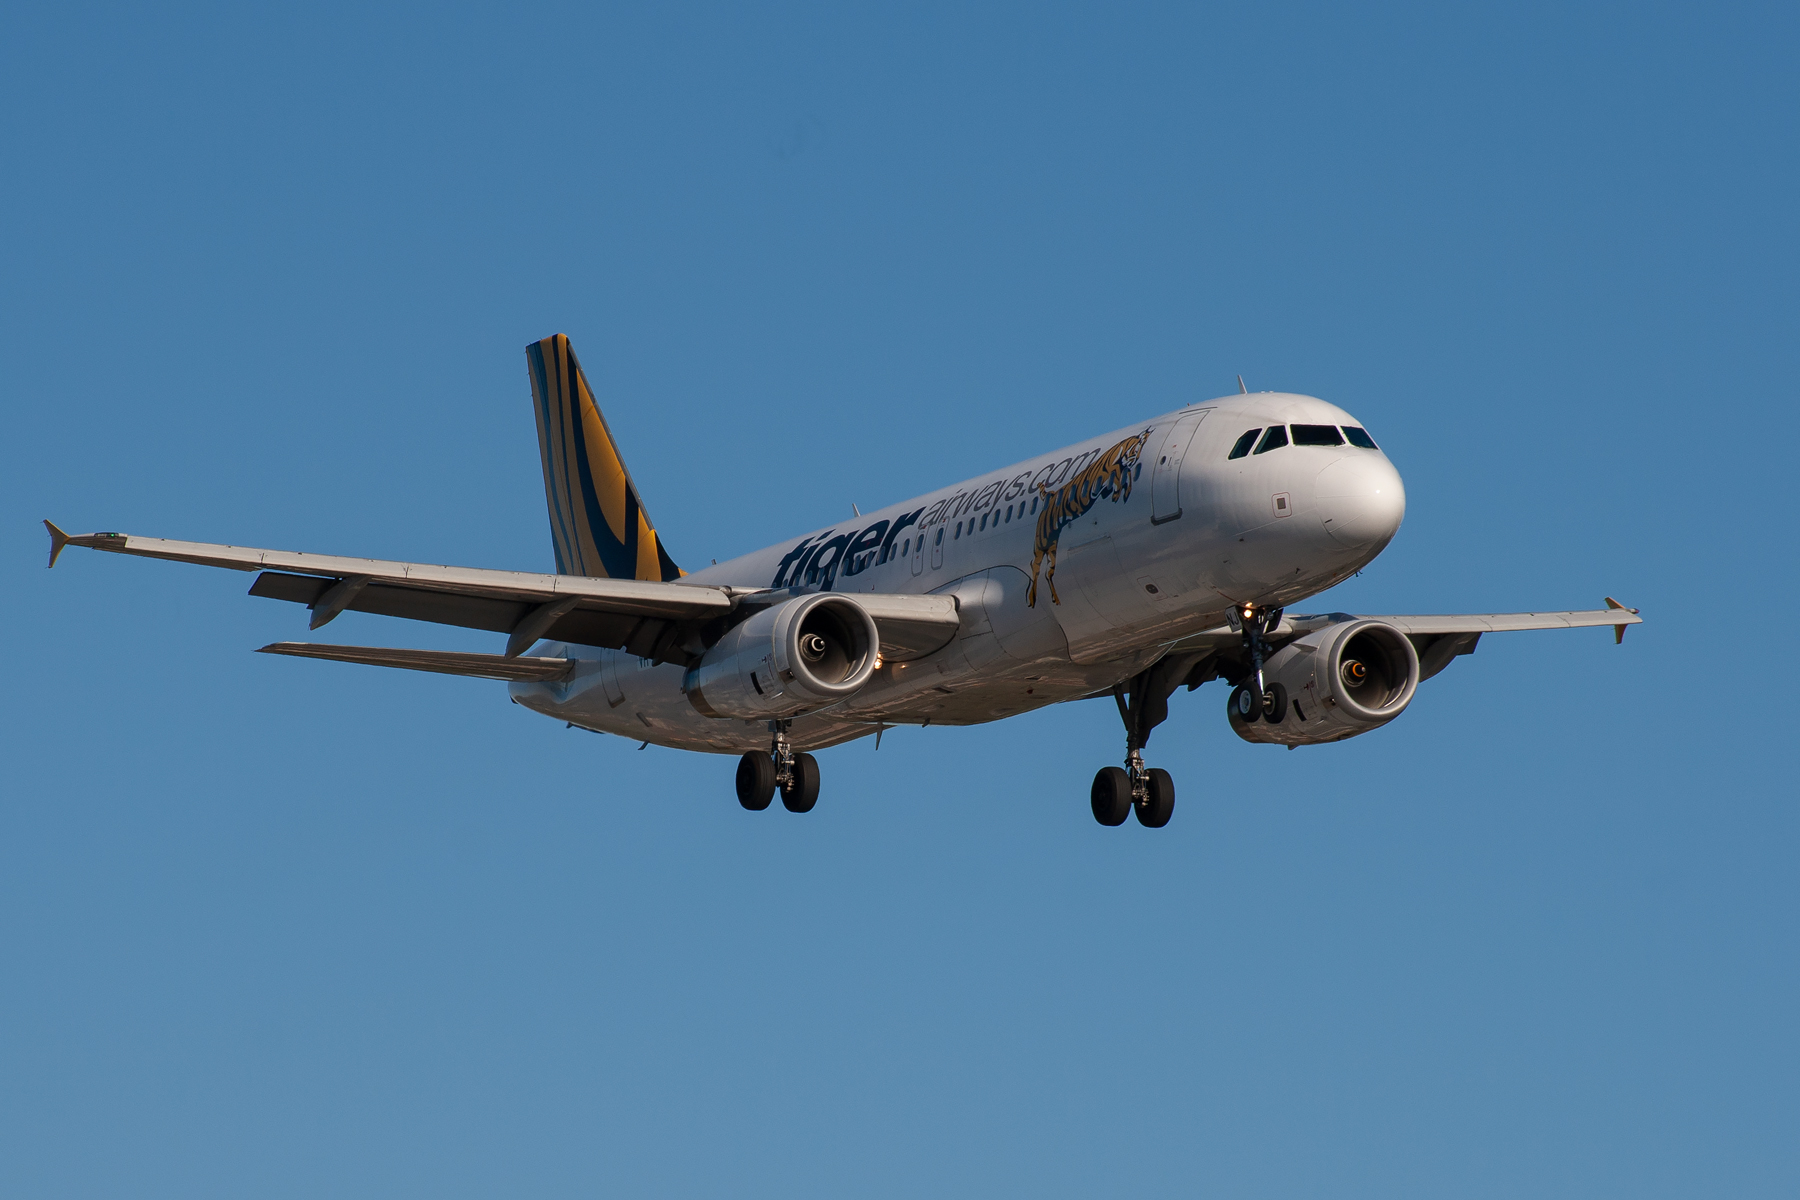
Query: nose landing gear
point(795, 775)
point(1254, 700)
point(1243, 705)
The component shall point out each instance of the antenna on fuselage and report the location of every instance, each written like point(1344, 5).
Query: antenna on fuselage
point(1242, 390)
point(855, 509)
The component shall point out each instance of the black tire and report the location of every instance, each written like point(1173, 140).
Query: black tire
point(1275, 704)
point(800, 795)
point(1111, 796)
point(1245, 706)
point(1159, 800)
point(755, 781)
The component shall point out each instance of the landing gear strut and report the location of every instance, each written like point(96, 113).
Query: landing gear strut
point(795, 774)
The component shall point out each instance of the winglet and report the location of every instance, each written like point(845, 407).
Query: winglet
point(93, 541)
point(1619, 630)
point(58, 539)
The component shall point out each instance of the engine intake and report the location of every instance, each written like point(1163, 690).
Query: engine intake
point(787, 659)
point(1342, 680)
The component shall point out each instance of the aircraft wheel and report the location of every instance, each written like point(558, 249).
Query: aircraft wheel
point(1159, 800)
point(755, 781)
point(1275, 704)
point(1111, 796)
point(1245, 705)
point(800, 795)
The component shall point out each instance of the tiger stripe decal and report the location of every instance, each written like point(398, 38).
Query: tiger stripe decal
point(598, 526)
point(1108, 477)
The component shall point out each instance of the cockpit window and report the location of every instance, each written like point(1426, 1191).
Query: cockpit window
point(1275, 439)
point(1243, 444)
point(1360, 437)
point(1317, 435)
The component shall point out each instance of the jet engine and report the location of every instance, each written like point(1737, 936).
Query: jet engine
point(787, 659)
point(1338, 681)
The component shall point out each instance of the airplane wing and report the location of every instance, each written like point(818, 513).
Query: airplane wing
point(1437, 638)
point(651, 619)
point(1615, 614)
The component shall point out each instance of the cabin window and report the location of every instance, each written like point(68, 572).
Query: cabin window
point(1275, 439)
point(984, 518)
point(1034, 501)
point(958, 532)
point(1317, 435)
point(906, 549)
point(1009, 514)
point(1360, 437)
point(940, 536)
point(1243, 444)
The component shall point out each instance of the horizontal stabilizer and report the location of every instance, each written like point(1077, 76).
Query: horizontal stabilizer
point(444, 662)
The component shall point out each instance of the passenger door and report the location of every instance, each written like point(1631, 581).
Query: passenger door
point(1165, 479)
point(937, 548)
point(918, 554)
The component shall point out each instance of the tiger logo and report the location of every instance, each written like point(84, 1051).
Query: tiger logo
point(1109, 476)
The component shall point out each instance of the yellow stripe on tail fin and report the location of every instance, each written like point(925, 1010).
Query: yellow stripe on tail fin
point(598, 525)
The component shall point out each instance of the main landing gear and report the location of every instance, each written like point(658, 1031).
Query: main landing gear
point(1253, 700)
point(1118, 792)
point(795, 775)
point(1143, 700)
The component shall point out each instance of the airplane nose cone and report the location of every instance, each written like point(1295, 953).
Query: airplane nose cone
point(1361, 500)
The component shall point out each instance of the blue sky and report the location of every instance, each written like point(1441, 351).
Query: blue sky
point(292, 928)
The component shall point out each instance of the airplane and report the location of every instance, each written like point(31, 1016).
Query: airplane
point(1161, 555)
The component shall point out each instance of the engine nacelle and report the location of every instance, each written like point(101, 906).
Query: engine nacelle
point(787, 659)
point(1342, 680)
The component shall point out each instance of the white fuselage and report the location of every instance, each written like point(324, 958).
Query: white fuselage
point(1191, 533)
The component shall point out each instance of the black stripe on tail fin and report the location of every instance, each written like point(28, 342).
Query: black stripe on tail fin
point(597, 521)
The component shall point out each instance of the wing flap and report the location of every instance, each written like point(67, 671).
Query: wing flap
point(389, 600)
point(443, 662)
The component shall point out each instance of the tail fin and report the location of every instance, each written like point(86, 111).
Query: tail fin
point(597, 522)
